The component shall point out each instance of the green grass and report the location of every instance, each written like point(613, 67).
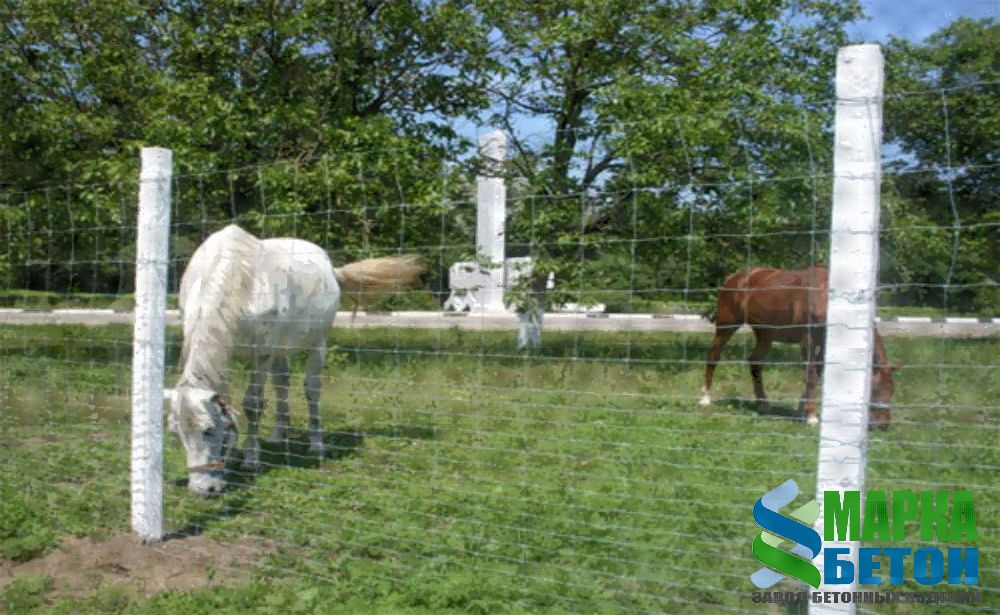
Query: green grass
point(47, 300)
point(470, 478)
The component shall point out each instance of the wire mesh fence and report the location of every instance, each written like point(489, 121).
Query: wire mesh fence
point(458, 469)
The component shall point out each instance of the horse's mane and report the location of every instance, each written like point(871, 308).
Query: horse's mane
point(225, 263)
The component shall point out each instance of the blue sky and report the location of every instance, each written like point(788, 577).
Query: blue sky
point(915, 19)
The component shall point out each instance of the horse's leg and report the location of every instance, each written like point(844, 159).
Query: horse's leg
point(314, 367)
point(253, 403)
point(279, 378)
point(812, 378)
point(819, 347)
point(722, 335)
point(756, 358)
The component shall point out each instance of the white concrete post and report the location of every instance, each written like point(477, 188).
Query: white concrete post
point(491, 214)
point(850, 327)
point(148, 342)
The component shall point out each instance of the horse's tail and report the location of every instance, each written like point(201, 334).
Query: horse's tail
point(379, 275)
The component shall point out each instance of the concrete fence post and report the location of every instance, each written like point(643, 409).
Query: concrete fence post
point(148, 342)
point(854, 251)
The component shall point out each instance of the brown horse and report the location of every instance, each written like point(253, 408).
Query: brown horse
point(788, 306)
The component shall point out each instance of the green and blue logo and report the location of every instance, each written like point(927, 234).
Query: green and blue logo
point(942, 516)
point(796, 528)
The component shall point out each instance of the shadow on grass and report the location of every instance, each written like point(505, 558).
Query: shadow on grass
point(292, 453)
point(779, 410)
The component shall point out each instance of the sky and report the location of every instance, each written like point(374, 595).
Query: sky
point(914, 20)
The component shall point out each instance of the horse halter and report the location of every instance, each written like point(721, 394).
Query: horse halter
point(229, 422)
point(207, 467)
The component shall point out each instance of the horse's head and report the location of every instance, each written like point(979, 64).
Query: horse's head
point(882, 390)
point(204, 423)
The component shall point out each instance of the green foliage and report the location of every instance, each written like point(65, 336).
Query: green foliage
point(226, 84)
point(357, 96)
point(672, 149)
point(684, 140)
point(942, 197)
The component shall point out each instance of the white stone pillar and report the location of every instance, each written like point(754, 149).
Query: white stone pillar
point(491, 213)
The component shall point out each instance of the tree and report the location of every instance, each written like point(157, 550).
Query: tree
point(371, 87)
point(695, 98)
point(941, 194)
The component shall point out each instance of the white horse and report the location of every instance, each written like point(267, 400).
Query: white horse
point(270, 298)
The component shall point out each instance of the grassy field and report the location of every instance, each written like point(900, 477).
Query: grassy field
point(467, 477)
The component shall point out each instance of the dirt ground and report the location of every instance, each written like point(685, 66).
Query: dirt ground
point(81, 565)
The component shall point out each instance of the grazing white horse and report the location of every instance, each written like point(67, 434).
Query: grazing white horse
point(268, 298)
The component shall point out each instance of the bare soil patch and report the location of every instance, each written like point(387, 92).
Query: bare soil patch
point(81, 565)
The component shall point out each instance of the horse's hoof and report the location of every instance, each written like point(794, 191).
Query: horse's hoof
point(812, 420)
point(706, 400)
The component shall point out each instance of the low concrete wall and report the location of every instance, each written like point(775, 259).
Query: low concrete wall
point(680, 323)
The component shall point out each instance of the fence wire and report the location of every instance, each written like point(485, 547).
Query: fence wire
point(581, 475)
